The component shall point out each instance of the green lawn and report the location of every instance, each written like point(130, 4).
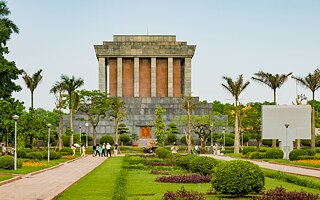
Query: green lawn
point(4, 177)
point(98, 184)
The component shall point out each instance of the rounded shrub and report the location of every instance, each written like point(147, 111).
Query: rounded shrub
point(171, 138)
point(248, 150)
point(53, 155)
point(256, 155)
point(229, 141)
point(21, 154)
point(107, 139)
point(124, 138)
point(237, 177)
point(202, 165)
point(163, 153)
point(66, 140)
point(306, 143)
point(6, 162)
point(268, 142)
point(294, 154)
point(274, 153)
point(66, 151)
point(311, 152)
point(35, 156)
point(184, 161)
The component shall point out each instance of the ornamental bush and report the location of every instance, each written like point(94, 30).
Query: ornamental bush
point(183, 194)
point(184, 161)
point(202, 165)
point(124, 138)
point(163, 153)
point(21, 154)
point(6, 162)
point(107, 139)
point(274, 153)
point(280, 193)
point(294, 154)
point(171, 138)
point(237, 177)
point(66, 151)
point(229, 141)
point(248, 150)
point(256, 155)
point(53, 155)
point(311, 152)
point(35, 156)
point(194, 178)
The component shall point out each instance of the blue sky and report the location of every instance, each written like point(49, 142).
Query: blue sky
point(232, 38)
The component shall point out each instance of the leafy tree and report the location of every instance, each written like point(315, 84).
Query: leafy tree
point(123, 129)
point(172, 128)
point(70, 85)
point(188, 106)
point(117, 112)
point(235, 88)
point(160, 126)
point(94, 104)
point(273, 81)
point(32, 82)
point(311, 81)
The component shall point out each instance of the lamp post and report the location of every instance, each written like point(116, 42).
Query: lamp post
point(87, 125)
point(80, 138)
point(15, 118)
point(287, 149)
point(49, 128)
point(224, 136)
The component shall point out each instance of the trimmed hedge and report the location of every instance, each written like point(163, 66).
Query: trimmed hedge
point(21, 154)
point(311, 152)
point(184, 161)
point(7, 162)
point(238, 178)
point(202, 165)
point(35, 156)
point(248, 150)
point(257, 155)
point(53, 155)
point(106, 139)
point(66, 151)
point(163, 153)
point(294, 154)
point(274, 153)
point(120, 192)
point(309, 158)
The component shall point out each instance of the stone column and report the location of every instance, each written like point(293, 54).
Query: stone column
point(102, 75)
point(153, 77)
point(136, 77)
point(170, 77)
point(119, 77)
point(187, 76)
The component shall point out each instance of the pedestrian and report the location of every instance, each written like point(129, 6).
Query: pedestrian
point(94, 148)
point(83, 148)
point(3, 149)
point(108, 147)
point(73, 147)
point(115, 149)
point(97, 150)
point(103, 150)
point(174, 148)
point(197, 148)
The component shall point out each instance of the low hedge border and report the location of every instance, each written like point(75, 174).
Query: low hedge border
point(121, 184)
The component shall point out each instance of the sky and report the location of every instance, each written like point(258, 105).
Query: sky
point(232, 38)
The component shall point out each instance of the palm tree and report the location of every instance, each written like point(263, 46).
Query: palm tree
point(311, 81)
point(32, 82)
point(274, 82)
point(57, 89)
point(235, 88)
point(70, 84)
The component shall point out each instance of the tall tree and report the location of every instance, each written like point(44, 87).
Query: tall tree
point(32, 82)
point(94, 104)
point(235, 88)
point(117, 112)
point(57, 90)
point(188, 106)
point(160, 125)
point(311, 81)
point(70, 85)
point(274, 82)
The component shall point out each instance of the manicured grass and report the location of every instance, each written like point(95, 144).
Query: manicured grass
point(284, 161)
point(2, 178)
point(26, 169)
point(98, 184)
point(272, 183)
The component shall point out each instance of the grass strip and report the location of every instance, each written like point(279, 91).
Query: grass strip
point(121, 184)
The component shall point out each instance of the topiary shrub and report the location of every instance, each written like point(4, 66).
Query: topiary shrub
point(35, 156)
point(184, 161)
point(171, 138)
point(66, 151)
point(21, 154)
point(202, 165)
point(184, 141)
point(163, 153)
point(306, 143)
point(124, 138)
point(246, 150)
point(256, 155)
point(274, 153)
point(229, 141)
point(53, 155)
point(268, 142)
point(107, 139)
point(237, 177)
point(294, 154)
point(311, 152)
point(6, 162)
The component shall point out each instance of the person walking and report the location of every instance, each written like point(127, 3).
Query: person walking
point(103, 150)
point(174, 148)
point(3, 149)
point(97, 150)
point(73, 147)
point(83, 148)
point(108, 147)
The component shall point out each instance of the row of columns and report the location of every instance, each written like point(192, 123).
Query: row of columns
point(186, 76)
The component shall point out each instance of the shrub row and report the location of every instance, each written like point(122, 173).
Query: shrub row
point(158, 164)
point(197, 164)
point(183, 194)
point(185, 179)
point(120, 189)
point(43, 155)
point(7, 163)
point(309, 158)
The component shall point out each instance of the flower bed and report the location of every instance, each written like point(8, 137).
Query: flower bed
point(69, 157)
point(33, 164)
point(315, 163)
point(158, 164)
point(184, 179)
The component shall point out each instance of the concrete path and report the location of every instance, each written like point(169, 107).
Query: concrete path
point(279, 167)
point(50, 183)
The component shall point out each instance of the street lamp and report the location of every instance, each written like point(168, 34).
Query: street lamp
point(287, 148)
point(87, 124)
point(49, 128)
point(80, 138)
point(224, 136)
point(15, 118)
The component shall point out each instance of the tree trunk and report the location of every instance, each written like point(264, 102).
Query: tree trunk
point(94, 134)
point(116, 130)
point(188, 138)
point(71, 126)
point(32, 100)
point(258, 145)
point(60, 124)
point(274, 141)
point(298, 142)
point(236, 133)
point(313, 126)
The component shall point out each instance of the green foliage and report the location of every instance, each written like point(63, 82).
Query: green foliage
point(294, 154)
point(246, 150)
point(66, 140)
point(124, 138)
point(229, 141)
point(202, 165)
point(66, 151)
point(7, 163)
point(172, 128)
point(107, 139)
point(311, 152)
point(121, 184)
point(256, 155)
point(306, 143)
point(274, 153)
point(21, 154)
point(268, 142)
point(237, 177)
point(184, 161)
point(163, 153)
point(35, 156)
point(184, 141)
point(160, 126)
point(171, 138)
point(122, 129)
point(53, 155)
point(309, 157)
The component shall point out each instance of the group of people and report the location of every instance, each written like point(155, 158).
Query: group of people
point(83, 150)
point(104, 150)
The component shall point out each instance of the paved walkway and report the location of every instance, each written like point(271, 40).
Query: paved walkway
point(283, 168)
point(50, 183)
